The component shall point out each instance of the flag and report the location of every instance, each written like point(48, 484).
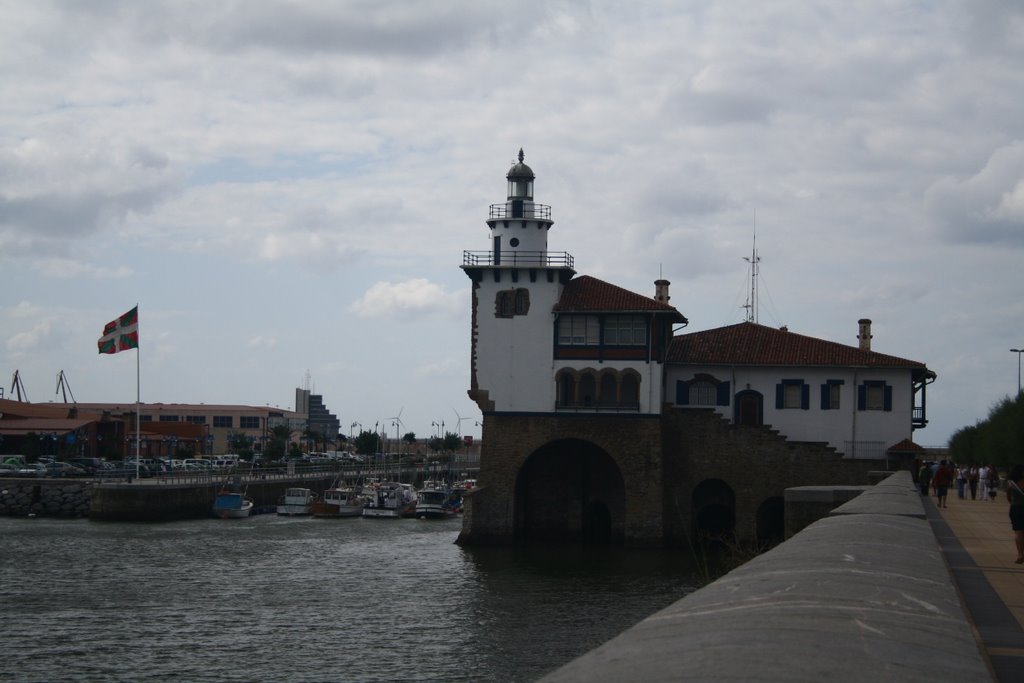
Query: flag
point(121, 334)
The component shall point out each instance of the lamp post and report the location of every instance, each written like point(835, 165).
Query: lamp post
point(1018, 352)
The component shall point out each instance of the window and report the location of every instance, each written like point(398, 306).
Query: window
point(168, 418)
point(703, 393)
point(625, 330)
point(522, 301)
point(195, 419)
point(223, 421)
point(503, 306)
point(830, 392)
point(874, 395)
point(792, 394)
point(145, 418)
point(579, 330)
point(249, 422)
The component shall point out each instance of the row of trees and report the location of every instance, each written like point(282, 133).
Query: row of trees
point(998, 440)
point(280, 445)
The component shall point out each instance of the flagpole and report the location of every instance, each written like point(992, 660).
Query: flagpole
point(138, 397)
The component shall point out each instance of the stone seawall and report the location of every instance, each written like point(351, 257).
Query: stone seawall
point(138, 501)
point(862, 595)
point(60, 498)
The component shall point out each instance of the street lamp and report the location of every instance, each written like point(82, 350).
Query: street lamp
point(1018, 352)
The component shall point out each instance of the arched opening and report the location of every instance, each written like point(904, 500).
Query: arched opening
point(609, 389)
point(714, 512)
point(566, 388)
point(771, 521)
point(629, 391)
point(588, 389)
point(570, 491)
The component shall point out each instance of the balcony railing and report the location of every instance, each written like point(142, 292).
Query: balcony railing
point(524, 259)
point(518, 210)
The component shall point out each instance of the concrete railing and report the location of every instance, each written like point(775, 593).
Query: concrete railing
point(862, 595)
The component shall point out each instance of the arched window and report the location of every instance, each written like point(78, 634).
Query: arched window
point(566, 389)
point(629, 390)
point(588, 389)
point(609, 389)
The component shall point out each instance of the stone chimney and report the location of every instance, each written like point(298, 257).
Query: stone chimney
point(661, 291)
point(864, 335)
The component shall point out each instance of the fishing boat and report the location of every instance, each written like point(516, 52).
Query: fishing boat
point(433, 501)
point(232, 505)
point(296, 502)
point(391, 500)
point(340, 502)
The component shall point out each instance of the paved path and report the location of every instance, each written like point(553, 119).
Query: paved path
point(977, 542)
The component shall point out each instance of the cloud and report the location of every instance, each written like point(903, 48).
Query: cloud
point(416, 297)
point(987, 207)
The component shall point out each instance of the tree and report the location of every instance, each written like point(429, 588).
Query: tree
point(452, 441)
point(277, 446)
point(998, 440)
point(241, 444)
point(367, 443)
point(409, 438)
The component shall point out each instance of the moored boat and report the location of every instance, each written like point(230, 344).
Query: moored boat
point(391, 500)
point(296, 502)
point(232, 505)
point(434, 502)
point(340, 502)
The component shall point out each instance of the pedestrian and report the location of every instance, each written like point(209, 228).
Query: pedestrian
point(924, 479)
point(983, 481)
point(972, 481)
point(942, 479)
point(961, 482)
point(1015, 494)
point(993, 482)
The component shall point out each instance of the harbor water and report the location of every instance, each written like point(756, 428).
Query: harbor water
point(302, 599)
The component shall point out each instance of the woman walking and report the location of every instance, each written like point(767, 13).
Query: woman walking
point(1015, 494)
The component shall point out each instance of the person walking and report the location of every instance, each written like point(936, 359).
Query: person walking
point(924, 479)
point(983, 481)
point(942, 479)
point(1015, 494)
point(993, 482)
point(961, 481)
point(972, 481)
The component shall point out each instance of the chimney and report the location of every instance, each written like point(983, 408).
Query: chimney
point(661, 291)
point(864, 336)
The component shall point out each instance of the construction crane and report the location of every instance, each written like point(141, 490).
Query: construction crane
point(63, 386)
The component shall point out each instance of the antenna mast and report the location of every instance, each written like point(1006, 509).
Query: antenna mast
point(753, 260)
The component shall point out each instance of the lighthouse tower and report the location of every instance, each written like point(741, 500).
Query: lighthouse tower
point(515, 285)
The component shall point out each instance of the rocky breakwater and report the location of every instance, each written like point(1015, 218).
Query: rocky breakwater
point(45, 498)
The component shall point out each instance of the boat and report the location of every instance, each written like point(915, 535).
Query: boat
point(340, 502)
point(391, 500)
point(232, 505)
point(296, 502)
point(434, 501)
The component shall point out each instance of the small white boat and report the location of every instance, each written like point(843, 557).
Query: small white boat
point(296, 502)
point(340, 502)
point(232, 505)
point(391, 500)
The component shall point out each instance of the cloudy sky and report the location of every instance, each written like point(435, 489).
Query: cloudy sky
point(287, 187)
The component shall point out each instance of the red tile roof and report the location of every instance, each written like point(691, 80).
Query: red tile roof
point(752, 344)
point(905, 446)
point(590, 295)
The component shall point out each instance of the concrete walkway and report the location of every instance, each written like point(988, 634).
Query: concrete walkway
point(977, 542)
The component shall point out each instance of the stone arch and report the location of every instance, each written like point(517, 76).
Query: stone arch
point(771, 521)
point(587, 388)
point(629, 389)
point(566, 383)
point(714, 511)
point(570, 490)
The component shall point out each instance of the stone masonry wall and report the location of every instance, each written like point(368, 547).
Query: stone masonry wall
point(64, 498)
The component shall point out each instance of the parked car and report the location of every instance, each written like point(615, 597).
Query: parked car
point(8, 470)
point(64, 469)
point(32, 469)
point(90, 465)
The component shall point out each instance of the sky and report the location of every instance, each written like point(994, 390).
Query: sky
point(286, 189)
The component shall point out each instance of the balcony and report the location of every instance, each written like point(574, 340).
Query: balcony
point(520, 209)
point(520, 259)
